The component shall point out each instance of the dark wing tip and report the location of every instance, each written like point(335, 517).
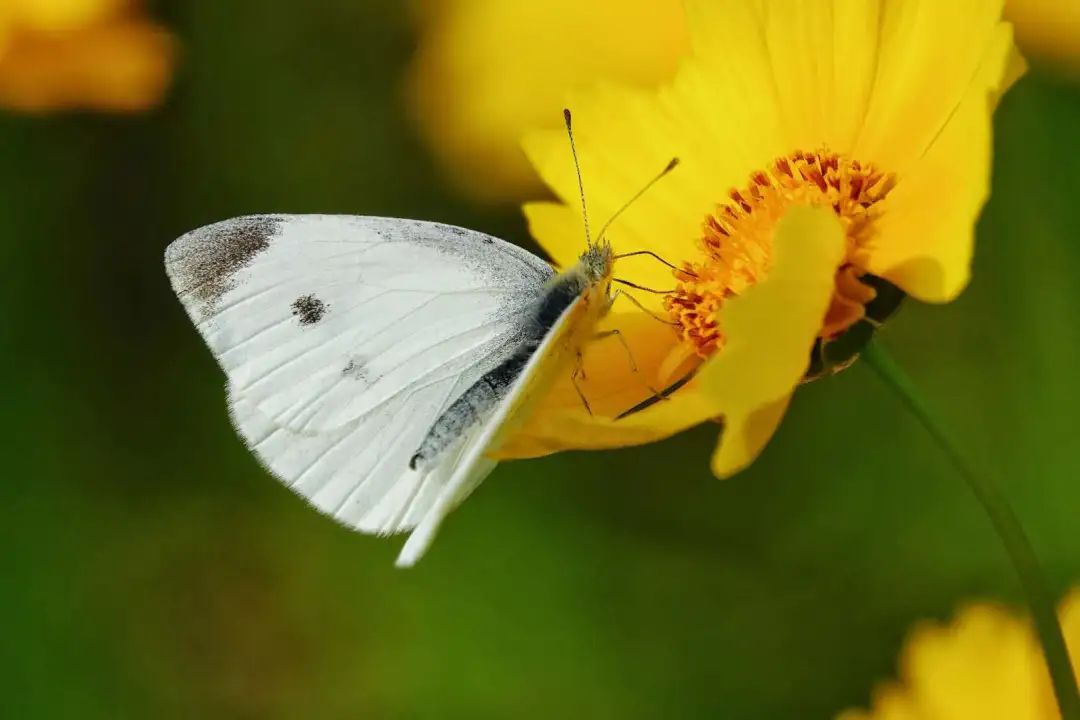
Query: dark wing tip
point(202, 264)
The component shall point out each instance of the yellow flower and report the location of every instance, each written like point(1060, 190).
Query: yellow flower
point(984, 665)
point(488, 70)
point(71, 54)
point(877, 113)
point(1047, 28)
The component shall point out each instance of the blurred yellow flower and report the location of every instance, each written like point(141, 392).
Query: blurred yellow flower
point(876, 113)
point(81, 54)
point(1047, 28)
point(488, 70)
point(984, 665)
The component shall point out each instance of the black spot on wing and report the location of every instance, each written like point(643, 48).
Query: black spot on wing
point(309, 309)
point(203, 264)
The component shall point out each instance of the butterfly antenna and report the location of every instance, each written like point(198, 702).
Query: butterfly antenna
point(674, 163)
point(577, 168)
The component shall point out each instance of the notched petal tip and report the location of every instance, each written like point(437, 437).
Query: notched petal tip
point(770, 331)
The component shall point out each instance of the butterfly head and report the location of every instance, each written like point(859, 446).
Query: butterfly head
point(597, 263)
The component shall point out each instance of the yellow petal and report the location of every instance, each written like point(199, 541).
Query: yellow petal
point(118, 66)
point(559, 230)
point(624, 138)
point(805, 67)
point(927, 232)
point(928, 56)
point(890, 703)
point(616, 377)
point(1070, 626)
point(488, 70)
point(61, 15)
point(731, 91)
point(770, 331)
point(1047, 28)
point(986, 664)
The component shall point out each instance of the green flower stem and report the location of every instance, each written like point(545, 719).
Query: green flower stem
point(1005, 523)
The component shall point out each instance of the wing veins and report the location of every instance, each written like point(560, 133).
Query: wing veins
point(382, 402)
point(370, 473)
point(245, 299)
point(268, 374)
point(408, 504)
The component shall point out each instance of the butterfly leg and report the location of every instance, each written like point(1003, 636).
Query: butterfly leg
point(579, 371)
point(619, 293)
point(622, 341)
point(617, 334)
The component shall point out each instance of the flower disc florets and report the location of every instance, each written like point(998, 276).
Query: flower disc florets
point(736, 241)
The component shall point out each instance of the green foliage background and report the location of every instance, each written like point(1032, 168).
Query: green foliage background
point(149, 568)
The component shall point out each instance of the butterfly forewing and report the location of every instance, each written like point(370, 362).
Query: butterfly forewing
point(344, 338)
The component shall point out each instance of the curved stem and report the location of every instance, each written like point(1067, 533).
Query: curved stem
point(1005, 523)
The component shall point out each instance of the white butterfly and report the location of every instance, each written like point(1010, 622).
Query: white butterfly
point(372, 361)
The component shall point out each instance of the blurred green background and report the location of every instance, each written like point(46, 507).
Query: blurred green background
point(150, 568)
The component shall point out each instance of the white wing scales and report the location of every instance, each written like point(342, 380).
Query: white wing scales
point(308, 303)
point(353, 474)
point(344, 338)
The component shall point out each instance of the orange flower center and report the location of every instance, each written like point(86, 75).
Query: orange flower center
point(737, 241)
